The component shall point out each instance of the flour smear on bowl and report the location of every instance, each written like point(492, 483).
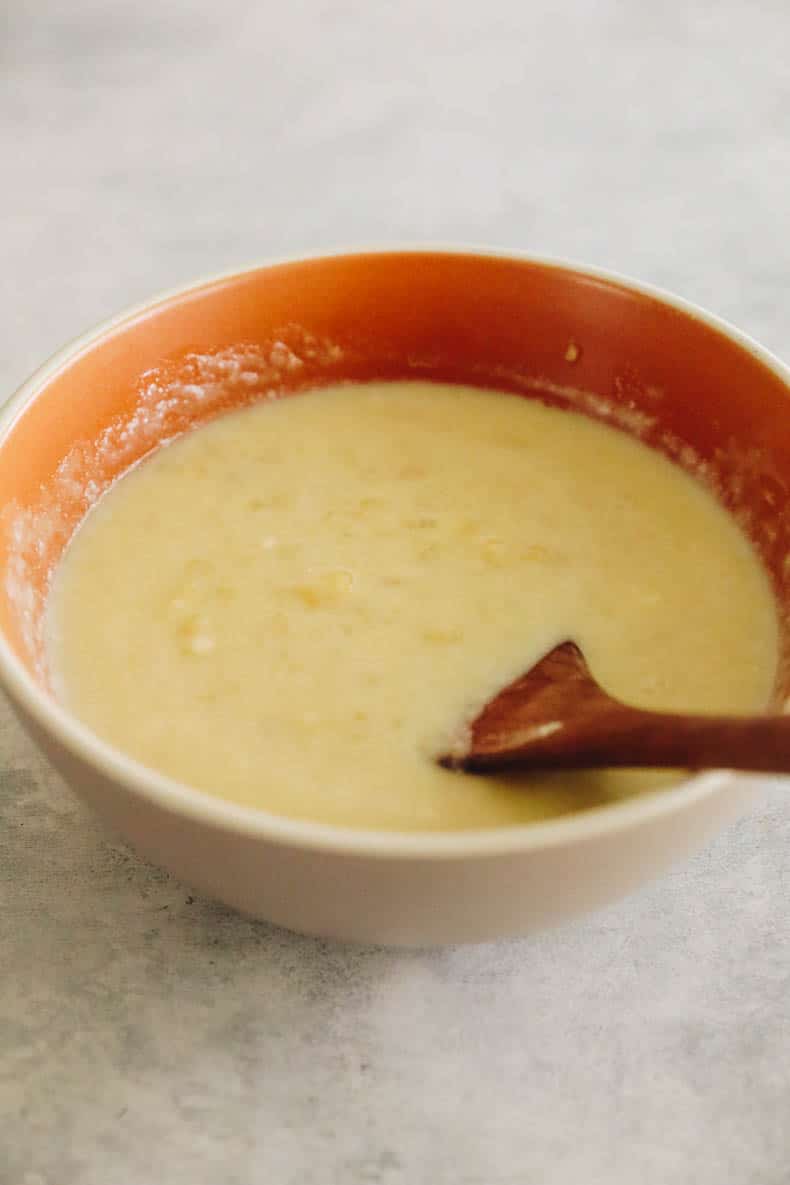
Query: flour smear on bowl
point(297, 605)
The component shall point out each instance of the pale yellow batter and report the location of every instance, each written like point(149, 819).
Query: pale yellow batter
point(296, 606)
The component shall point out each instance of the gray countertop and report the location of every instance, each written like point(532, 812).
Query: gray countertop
point(146, 1036)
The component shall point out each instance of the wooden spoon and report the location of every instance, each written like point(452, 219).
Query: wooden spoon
point(557, 717)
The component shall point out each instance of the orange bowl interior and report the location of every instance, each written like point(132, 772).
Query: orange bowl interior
point(549, 333)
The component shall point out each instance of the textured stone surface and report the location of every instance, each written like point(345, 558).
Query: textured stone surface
point(149, 1037)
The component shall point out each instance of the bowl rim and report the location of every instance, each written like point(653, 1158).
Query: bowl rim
point(199, 806)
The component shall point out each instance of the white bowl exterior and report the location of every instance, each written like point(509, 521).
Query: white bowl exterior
point(392, 898)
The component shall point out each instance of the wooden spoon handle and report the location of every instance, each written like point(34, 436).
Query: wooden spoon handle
point(625, 736)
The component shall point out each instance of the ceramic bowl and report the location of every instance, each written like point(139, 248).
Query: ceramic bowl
point(650, 364)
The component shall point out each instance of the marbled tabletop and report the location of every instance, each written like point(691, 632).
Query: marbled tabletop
point(147, 1035)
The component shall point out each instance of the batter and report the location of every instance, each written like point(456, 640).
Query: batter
point(296, 606)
